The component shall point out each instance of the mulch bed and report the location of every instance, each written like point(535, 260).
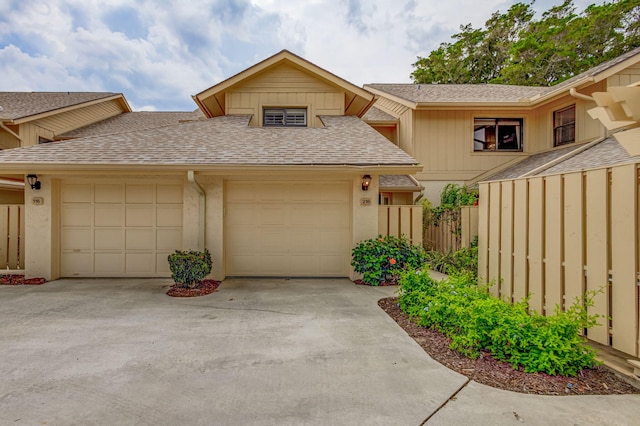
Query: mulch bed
point(488, 371)
point(203, 288)
point(20, 280)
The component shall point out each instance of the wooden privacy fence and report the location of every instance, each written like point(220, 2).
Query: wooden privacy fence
point(11, 237)
point(555, 237)
point(401, 220)
point(454, 230)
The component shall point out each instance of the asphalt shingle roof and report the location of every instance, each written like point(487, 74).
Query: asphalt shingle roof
point(487, 93)
point(533, 162)
point(132, 121)
point(397, 181)
point(17, 105)
point(441, 93)
point(226, 140)
point(607, 153)
point(376, 114)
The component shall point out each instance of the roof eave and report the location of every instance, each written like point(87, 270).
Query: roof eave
point(286, 55)
point(226, 169)
point(49, 113)
point(395, 98)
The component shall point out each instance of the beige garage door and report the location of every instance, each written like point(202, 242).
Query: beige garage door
point(119, 230)
point(287, 229)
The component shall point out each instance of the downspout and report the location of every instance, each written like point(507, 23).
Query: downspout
point(202, 209)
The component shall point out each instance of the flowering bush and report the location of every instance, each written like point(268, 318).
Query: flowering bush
point(190, 267)
point(382, 259)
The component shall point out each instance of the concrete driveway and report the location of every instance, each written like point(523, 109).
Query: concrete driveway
point(257, 352)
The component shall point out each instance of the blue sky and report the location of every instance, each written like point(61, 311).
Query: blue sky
point(160, 52)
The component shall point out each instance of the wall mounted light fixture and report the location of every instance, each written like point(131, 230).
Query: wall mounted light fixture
point(33, 181)
point(366, 181)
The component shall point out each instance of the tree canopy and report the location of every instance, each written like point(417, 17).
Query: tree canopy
point(516, 48)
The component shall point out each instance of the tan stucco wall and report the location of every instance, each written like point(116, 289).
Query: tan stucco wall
point(364, 218)
point(41, 233)
point(42, 239)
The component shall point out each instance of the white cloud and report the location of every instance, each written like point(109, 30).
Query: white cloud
point(160, 52)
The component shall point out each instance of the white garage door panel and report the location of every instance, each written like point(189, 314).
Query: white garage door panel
point(108, 215)
point(108, 239)
point(109, 263)
point(287, 229)
point(112, 230)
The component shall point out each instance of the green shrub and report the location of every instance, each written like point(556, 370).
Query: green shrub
point(476, 321)
point(383, 259)
point(464, 260)
point(189, 267)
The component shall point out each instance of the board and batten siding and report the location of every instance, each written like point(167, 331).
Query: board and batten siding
point(625, 77)
point(443, 143)
point(51, 126)
point(541, 122)
point(285, 86)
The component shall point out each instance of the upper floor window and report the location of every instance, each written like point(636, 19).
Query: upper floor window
point(497, 134)
point(290, 117)
point(564, 126)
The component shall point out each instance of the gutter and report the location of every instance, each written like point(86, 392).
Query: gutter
point(202, 209)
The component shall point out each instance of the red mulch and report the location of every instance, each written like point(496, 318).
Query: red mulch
point(20, 280)
point(596, 381)
point(384, 284)
point(204, 287)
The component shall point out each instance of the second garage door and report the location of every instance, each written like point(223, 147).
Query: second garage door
point(287, 229)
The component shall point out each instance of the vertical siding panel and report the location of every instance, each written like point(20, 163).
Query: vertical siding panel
point(4, 236)
point(494, 237)
point(14, 230)
point(405, 222)
point(573, 238)
point(624, 228)
point(506, 242)
point(536, 244)
point(520, 219)
point(383, 220)
point(416, 225)
point(394, 220)
point(553, 285)
point(22, 239)
point(483, 232)
point(597, 256)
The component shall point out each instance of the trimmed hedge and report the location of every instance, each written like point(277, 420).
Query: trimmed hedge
point(190, 267)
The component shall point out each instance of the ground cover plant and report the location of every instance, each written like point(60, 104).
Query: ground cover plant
point(381, 260)
point(475, 321)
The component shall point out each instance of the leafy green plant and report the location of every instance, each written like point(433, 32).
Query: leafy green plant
point(190, 267)
point(476, 321)
point(464, 260)
point(383, 259)
point(452, 197)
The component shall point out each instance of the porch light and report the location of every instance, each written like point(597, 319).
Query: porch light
point(366, 181)
point(34, 183)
